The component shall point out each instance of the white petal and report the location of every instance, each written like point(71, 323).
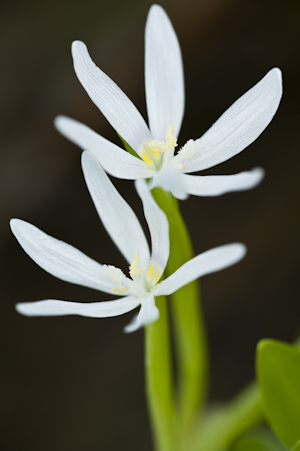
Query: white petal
point(240, 125)
point(163, 74)
point(216, 185)
point(116, 215)
point(110, 99)
point(148, 314)
point(58, 258)
point(158, 226)
point(169, 179)
point(114, 160)
point(206, 263)
point(52, 307)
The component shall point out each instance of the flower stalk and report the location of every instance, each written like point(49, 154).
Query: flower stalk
point(159, 381)
point(190, 337)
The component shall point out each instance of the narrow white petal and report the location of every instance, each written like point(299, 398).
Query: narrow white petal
point(110, 99)
point(114, 160)
point(206, 263)
point(169, 179)
point(164, 77)
point(158, 226)
point(148, 314)
point(240, 125)
point(52, 307)
point(116, 215)
point(58, 258)
point(216, 185)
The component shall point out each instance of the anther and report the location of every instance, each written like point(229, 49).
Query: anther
point(170, 137)
point(153, 274)
point(133, 268)
point(121, 290)
point(160, 146)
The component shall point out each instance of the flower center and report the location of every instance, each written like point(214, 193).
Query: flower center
point(153, 151)
point(138, 286)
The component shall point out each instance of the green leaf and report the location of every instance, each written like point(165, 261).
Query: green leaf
point(296, 447)
point(278, 372)
point(220, 428)
point(258, 440)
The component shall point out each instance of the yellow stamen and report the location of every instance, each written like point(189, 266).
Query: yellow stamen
point(170, 137)
point(155, 148)
point(133, 268)
point(153, 274)
point(158, 146)
point(121, 290)
point(155, 153)
point(146, 158)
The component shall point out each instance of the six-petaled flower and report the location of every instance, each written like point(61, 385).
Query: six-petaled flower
point(145, 270)
point(155, 145)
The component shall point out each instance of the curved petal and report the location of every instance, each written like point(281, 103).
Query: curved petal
point(58, 258)
point(116, 215)
point(114, 160)
point(216, 185)
point(164, 77)
point(211, 261)
point(110, 99)
point(158, 226)
point(52, 307)
point(169, 179)
point(148, 314)
point(240, 125)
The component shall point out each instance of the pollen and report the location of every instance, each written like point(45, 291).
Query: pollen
point(115, 274)
point(121, 290)
point(153, 274)
point(171, 140)
point(133, 268)
point(157, 147)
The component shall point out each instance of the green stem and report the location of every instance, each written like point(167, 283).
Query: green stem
point(224, 425)
point(190, 338)
point(159, 381)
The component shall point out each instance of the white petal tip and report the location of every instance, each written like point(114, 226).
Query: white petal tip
point(277, 72)
point(77, 45)
point(239, 250)
point(11, 222)
point(182, 195)
point(275, 78)
point(15, 225)
point(258, 174)
point(59, 122)
point(23, 309)
point(145, 316)
point(88, 158)
point(156, 9)
point(130, 328)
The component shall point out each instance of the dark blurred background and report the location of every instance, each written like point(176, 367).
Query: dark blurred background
point(71, 383)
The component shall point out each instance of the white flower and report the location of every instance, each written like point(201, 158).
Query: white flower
point(236, 129)
point(145, 270)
